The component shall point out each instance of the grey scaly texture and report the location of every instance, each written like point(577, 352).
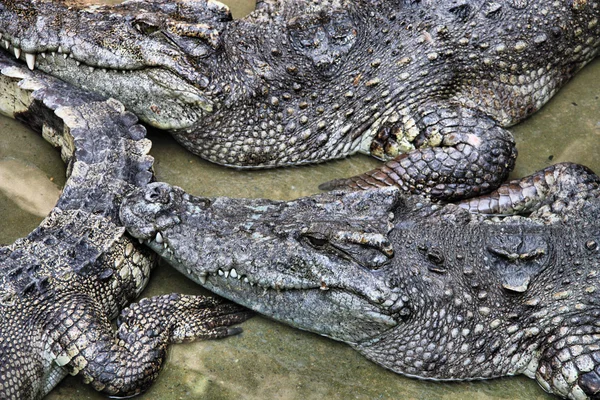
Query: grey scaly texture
point(62, 285)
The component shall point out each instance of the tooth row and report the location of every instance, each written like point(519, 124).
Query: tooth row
point(203, 277)
point(30, 58)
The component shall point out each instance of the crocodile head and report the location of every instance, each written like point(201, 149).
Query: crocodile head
point(150, 54)
point(315, 263)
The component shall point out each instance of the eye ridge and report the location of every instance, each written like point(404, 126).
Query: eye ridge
point(317, 241)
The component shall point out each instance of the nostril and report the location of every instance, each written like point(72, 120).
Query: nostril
point(157, 194)
point(153, 195)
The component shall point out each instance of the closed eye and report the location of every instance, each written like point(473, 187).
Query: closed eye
point(318, 241)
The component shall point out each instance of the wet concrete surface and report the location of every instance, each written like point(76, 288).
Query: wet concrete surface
point(270, 360)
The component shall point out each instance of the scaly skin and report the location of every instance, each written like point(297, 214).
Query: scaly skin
point(301, 81)
point(435, 292)
point(62, 284)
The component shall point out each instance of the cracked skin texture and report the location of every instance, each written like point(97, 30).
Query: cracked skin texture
point(298, 81)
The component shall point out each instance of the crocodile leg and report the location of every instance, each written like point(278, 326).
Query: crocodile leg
point(556, 185)
point(570, 365)
point(460, 153)
point(127, 363)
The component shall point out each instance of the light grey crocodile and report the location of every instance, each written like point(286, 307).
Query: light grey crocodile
point(300, 81)
point(62, 284)
point(433, 292)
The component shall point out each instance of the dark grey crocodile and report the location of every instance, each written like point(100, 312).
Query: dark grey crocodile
point(433, 292)
point(62, 284)
point(301, 81)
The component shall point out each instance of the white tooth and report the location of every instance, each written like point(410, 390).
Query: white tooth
point(43, 55)
point(65, 56)
point(77, 63)
point(165, 245)
point(17, 52)
point(104, 70)
point(60, 49)
point(70, 55)
point(246, 280)
point(30, 59)
point(220, 272)
point(91, 69)
point(6, 44)
point(202, 279)
point(1, 36)
point(158, 238)
point(233, 273)
point(226, 274)
point(141, 241)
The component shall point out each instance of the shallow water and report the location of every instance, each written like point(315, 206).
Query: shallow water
point(270, 360)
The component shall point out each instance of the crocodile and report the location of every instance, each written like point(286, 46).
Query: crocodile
point(443, 292)
point(62, 284)
point(427, 86)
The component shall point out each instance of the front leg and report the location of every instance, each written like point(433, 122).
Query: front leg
point(459, 153)
point(127, 363)
point(570, 366)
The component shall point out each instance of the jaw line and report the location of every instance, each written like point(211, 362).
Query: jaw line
point(63, 60)
point(231, 284)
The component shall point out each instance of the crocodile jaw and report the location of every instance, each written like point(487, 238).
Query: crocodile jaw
point(311, 306)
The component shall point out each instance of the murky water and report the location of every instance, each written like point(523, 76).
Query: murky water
point(270, 360)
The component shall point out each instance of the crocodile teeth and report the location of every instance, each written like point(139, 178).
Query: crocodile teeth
point(43, 55)
point(246, 280)
point(60, 50)
point(30, 59)
point(17, 52)
point(65, 56)
point(158, 238)
point(220, 272)
point(233, 273)
point(6, 44)
point(226, 274)
point(203, 278)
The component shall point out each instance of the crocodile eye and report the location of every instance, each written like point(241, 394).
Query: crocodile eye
point(145, 28)
point(317, 240)
point(146, 24)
